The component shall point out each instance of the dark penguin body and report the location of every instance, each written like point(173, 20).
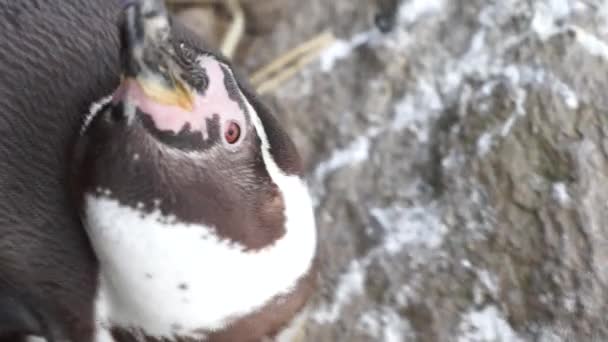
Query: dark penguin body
point(55, 61)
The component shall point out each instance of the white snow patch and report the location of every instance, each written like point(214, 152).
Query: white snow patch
point(415, 111)
point(478, 294)
point(355, 152)
point(569, 302)
point(385, 325)
point(413, 10)
point(591, 43)
point(484, 325)
point(512, 73)
point(484, 144)
point(342, 49)
point(351, 284)
point(546, 15)
point(569, 96)
point(489, 281)
point(466, 263)
point(410, 227)
point(404, 295)
point(560, 8)
point(506, 128)
point(544, 24)
point(560, 193)
point(452, 160)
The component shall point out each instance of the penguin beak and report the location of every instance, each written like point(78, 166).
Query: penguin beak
point(149, 58)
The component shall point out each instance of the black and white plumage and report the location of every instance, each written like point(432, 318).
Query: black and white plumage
point(195, 223)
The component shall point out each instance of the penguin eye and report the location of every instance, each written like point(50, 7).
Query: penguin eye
point(232, 132)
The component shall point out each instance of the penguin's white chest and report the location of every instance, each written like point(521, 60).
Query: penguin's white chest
point(170, 278)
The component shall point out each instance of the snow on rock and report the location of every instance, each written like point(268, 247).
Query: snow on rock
point(349, 285)
point(560, 193)
point(484, 143)
point(409, 228)
point(413, 10)
point(484, 325)
point(489, 281)
point(416, 111)
point(341, 49)
point(386, 325)
point(548, 22)
point(355, 152)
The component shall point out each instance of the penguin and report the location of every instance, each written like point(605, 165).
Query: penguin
point(174, 210)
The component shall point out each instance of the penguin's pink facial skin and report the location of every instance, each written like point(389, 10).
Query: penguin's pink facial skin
point(215, 99)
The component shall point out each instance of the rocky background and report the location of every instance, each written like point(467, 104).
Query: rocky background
point(459, 162)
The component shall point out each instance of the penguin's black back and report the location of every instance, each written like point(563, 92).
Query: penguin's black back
point(56, 58)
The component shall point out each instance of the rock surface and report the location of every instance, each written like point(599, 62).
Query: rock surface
point(459, 165)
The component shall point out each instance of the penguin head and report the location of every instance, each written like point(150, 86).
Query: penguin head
point(189, 188)
point(183, 135)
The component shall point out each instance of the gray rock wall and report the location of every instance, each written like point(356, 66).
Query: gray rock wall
point(459, 166)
